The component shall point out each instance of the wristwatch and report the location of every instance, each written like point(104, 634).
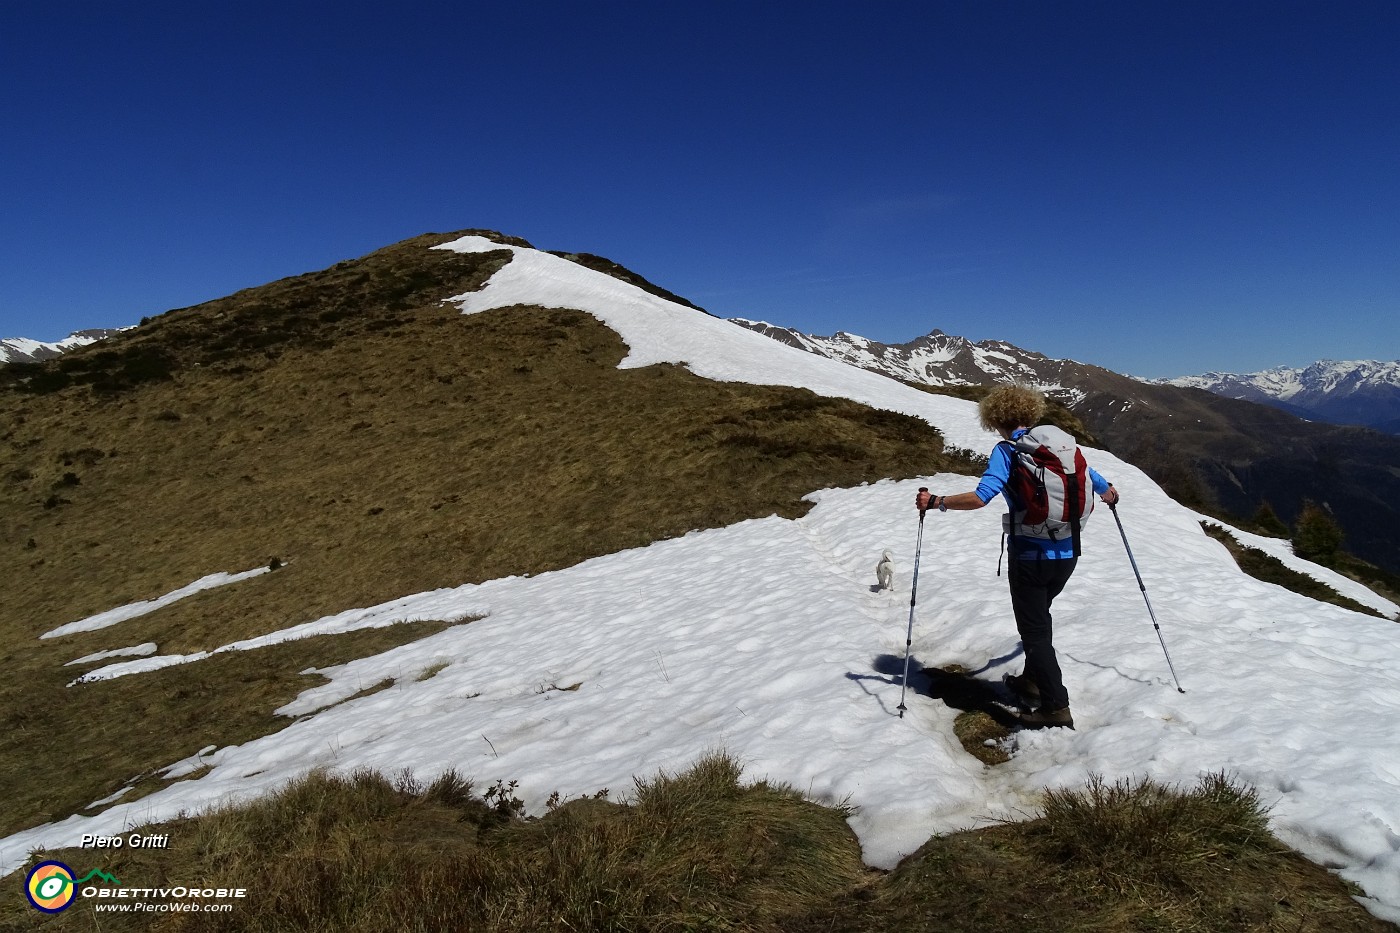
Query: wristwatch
point(942, 503)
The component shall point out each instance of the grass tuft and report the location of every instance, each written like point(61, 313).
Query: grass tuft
point(1133, 836)
point(981, 737)
point(1113, 858)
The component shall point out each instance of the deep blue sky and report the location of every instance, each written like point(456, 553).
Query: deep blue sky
point(1161, 188)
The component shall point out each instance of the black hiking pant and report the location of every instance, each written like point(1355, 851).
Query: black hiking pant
point(1034, 585)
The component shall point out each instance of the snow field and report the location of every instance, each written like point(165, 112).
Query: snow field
point(761, 639)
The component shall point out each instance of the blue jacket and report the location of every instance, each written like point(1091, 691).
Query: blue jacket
point(994, 481)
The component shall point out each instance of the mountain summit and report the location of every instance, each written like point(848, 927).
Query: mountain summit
point(938, 359)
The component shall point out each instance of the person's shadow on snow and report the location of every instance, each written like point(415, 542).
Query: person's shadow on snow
point(958, 689)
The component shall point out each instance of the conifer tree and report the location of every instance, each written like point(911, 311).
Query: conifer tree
point(1316, 536)
point(1267, 520)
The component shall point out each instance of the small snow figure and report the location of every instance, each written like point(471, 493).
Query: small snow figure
point(884, 571)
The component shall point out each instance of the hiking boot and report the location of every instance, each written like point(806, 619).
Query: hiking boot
point(1023, 687)
point(1046, 718)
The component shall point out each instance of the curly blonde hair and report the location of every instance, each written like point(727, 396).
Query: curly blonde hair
point(1011, 406)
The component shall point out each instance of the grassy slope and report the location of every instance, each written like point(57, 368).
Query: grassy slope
point(381, 444)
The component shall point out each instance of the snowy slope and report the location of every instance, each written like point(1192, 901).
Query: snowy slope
point(763, 639)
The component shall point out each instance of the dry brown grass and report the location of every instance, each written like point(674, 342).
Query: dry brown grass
point(981, 737)
point(64, 747)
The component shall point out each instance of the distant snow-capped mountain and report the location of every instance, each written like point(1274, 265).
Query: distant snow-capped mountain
point(1364, 392)
point(24, 350)
point(1358, 392)
point(940, 359)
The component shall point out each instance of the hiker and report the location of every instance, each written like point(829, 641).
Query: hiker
point(1039, 566)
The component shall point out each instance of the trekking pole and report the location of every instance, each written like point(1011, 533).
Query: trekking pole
point(1113, 507)
point(913, 594)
